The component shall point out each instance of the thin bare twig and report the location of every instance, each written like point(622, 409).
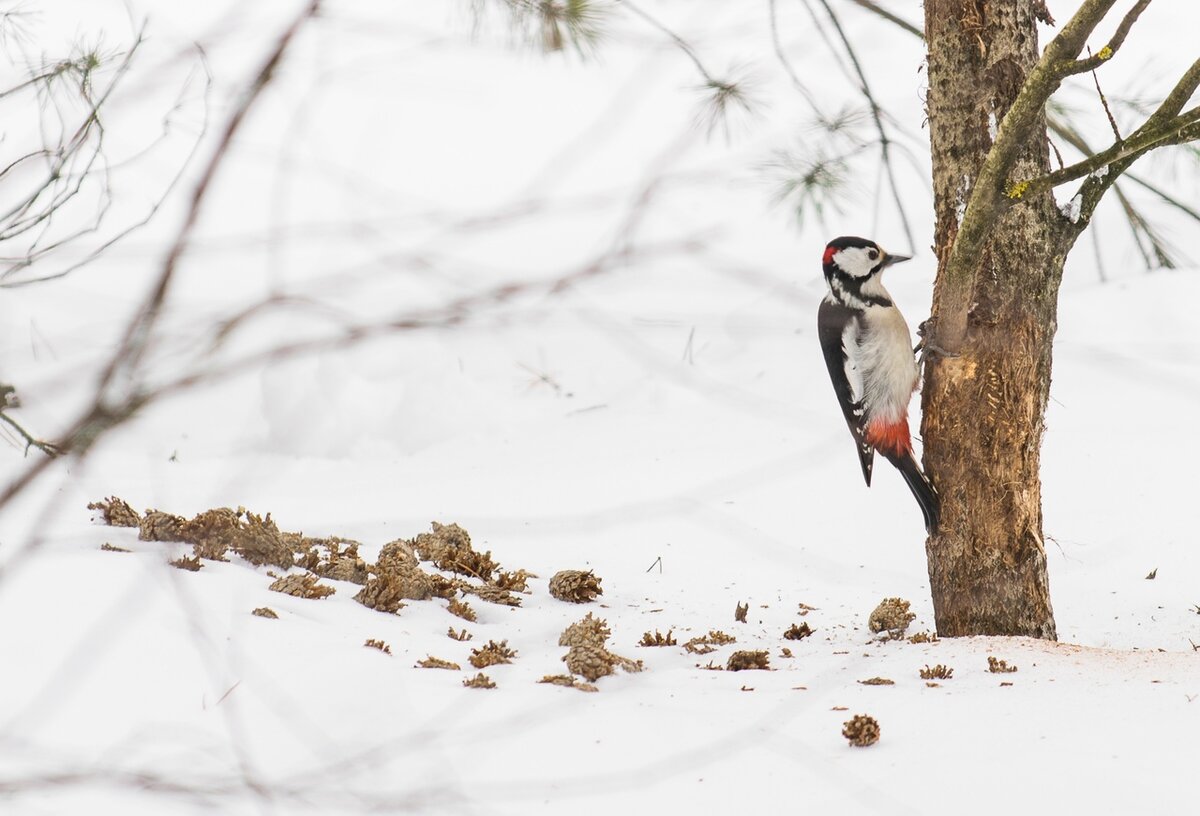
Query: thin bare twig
point(877, 116)
point(875, 8)
point(132, 346)
point(109, 409)
point(8, 399)
point(1107, 111)
point(787, 66)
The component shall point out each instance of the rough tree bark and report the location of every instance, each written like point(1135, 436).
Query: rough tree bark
point(1001, 242)
point(983, 410)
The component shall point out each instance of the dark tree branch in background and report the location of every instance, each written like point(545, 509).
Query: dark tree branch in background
point(8, 400)
point(787, 66)
point(725, 95)
point(115, 404)
point(877, 116)
point(92, 255)
point(875, 8)
point(77, 172)
point(133, 345)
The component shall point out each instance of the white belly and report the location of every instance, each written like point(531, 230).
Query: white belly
point(885, 372)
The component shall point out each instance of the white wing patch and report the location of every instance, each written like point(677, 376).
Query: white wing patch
point(854, 369)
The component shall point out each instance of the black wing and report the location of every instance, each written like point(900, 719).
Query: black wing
point(832, 320)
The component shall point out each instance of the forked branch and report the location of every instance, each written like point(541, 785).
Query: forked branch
point(990, 194)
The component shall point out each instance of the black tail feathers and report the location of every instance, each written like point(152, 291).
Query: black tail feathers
point(921, 489)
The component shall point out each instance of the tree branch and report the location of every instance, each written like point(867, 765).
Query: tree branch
point(1106, 53)
point(885, 156)
point(1175, 131)
point(1165, 126)
point(107, 412)
point(8, 399)
point(988, 196)
point(875, 8)
point(133, 344)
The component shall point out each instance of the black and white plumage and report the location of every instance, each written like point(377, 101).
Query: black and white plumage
point(868, 352)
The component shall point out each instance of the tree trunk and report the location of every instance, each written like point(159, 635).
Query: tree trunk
point(983, 410)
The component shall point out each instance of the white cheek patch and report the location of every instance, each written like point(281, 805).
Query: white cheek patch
point(856, 261)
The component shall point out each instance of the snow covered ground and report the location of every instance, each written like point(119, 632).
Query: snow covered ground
point(664, 419)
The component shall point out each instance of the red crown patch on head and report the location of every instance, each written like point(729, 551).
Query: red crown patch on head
point(829, 253)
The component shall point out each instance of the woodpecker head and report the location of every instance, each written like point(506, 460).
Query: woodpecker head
point(857, 258)
point(852, 266)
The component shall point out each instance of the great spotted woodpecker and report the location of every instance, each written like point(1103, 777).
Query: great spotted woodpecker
point(870, 359)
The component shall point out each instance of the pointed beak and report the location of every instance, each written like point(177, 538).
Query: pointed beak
point(888, 260)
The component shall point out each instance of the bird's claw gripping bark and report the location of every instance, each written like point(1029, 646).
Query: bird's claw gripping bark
point(927, 345)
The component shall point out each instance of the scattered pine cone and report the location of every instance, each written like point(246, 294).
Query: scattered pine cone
point(189, 563)
point(301, 586)
point(658, 639)
point(798, 632)
point(462, 609)
point(590, 661)
point(116, 512)
point(938, 672)
point(334, 558)
point(708, 643)
point(891, 616)
point(575, 586)
point(997, 666)
point(569, 681)
point(449, 548)
point(385, 592)
point(265, 612)
point(862, 730)
point(156, 526)
point(491, 654)
point(747, 659)
point(590, 630)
